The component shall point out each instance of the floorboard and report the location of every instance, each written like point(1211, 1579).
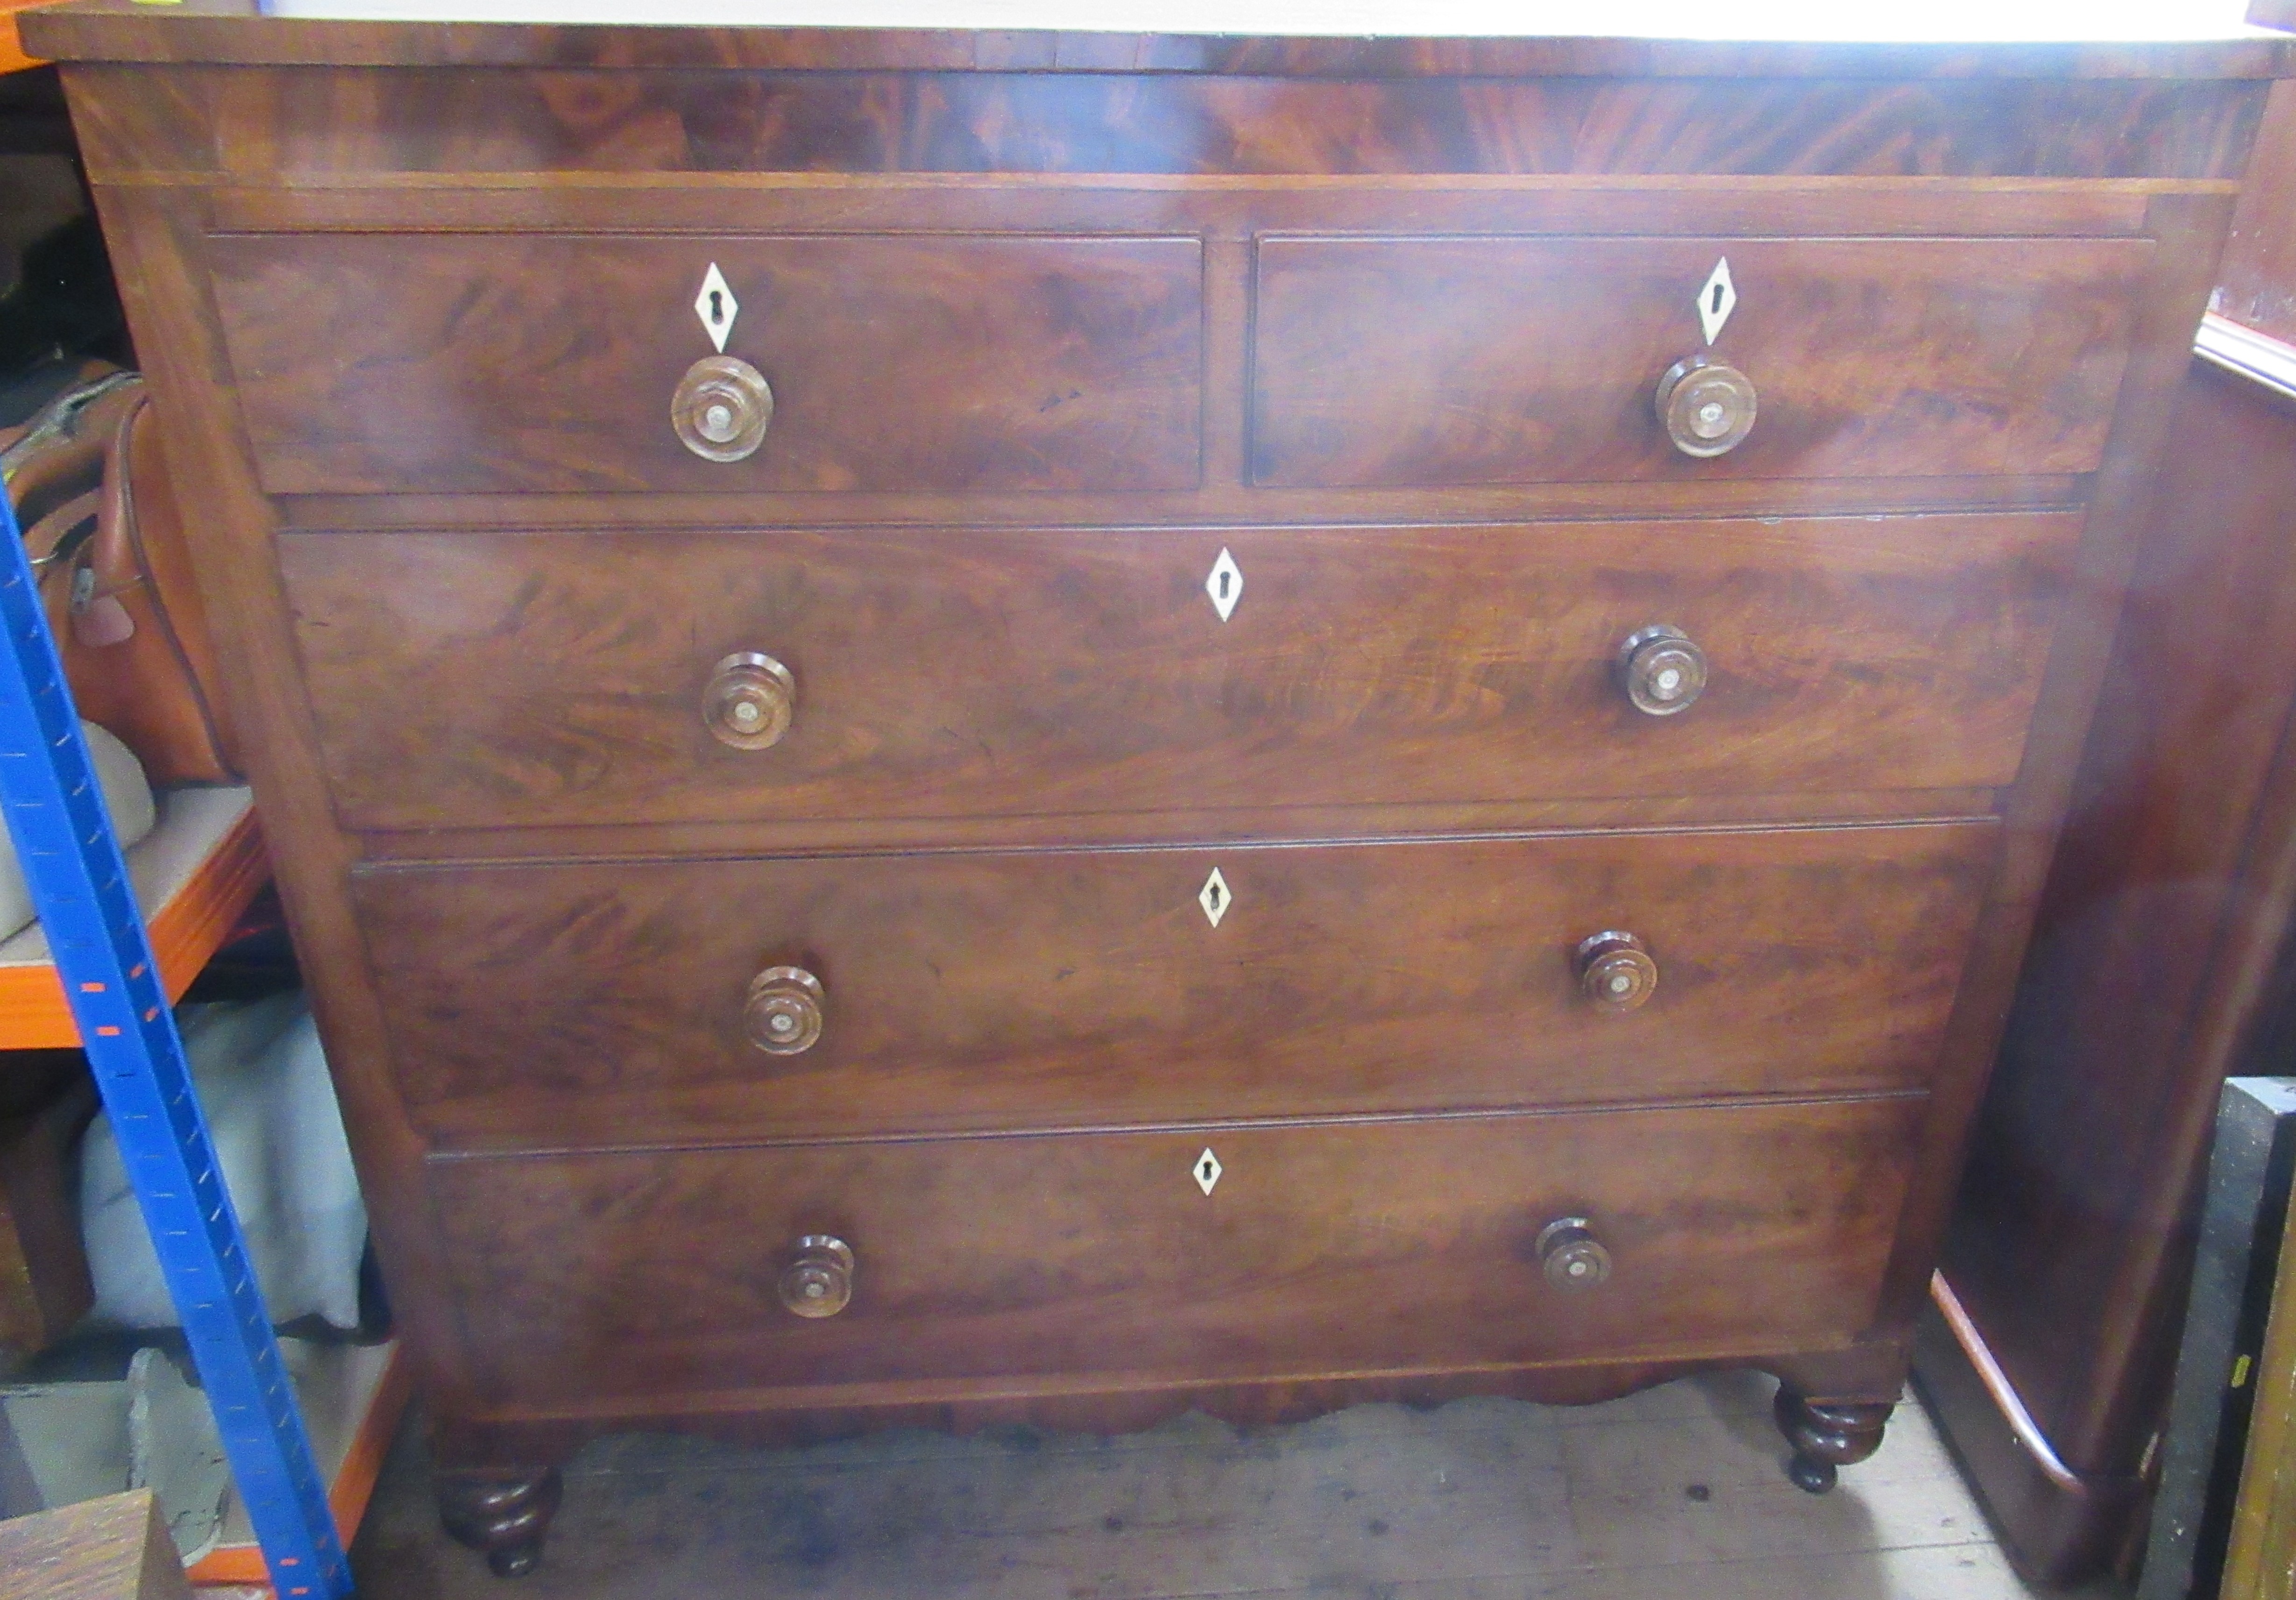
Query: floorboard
point(1673, 1493)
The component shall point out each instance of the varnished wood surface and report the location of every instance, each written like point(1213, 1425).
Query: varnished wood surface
point(115, 1548)
point(1320, 1250)
point(2189, 229)
point(2259, 1563)
point(601, 1003)
point(375, 364)
point(248, 122)
point(1231, 208)
point(241, 153)
point(2151, 972)
point(2258, 285)
point(230, 30)
point(245, 121)
point(2156, 871)
point(477, 680)
point(1302, 825)
point(1379, 363)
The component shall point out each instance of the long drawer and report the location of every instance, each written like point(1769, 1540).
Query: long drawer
point(385, 362)
point(601, 1003)
point(1406, 362)
point(1081, 1260)
point(471, 680)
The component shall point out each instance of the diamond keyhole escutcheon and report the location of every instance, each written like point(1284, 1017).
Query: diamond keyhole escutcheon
point(1225, 585)
point(717, 307)
point(1215, 896)
point(1207, 1170)
point(1718, 297)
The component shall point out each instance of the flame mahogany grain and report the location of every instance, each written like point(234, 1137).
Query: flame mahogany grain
point(490, 680)
point(1388, 363)
point(1365, 1246)
point(593, 1004)
point(1050, 319)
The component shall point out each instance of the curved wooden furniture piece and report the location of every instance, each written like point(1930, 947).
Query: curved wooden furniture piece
point(2160, 960)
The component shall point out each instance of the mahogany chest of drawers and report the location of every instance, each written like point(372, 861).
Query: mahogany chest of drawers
point(968, 725)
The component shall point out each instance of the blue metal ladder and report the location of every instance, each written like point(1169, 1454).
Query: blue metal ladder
point(80, 885)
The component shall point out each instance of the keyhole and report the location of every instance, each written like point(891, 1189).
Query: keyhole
point(1718, 299)
point(717, 306)
point(1225, 580)
point(1205, 1172)
point(1213, 895)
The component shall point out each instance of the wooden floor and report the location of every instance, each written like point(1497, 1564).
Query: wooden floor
point(1675, 1494)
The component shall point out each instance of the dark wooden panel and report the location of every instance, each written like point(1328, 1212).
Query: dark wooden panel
point(601, 1003)
point(1442, 361)
point(349, 122)
point(373, 363)
point(2152, 962)
point(1065, 1260)
point(233, 30)
point(493, 679)
point(2257, 288)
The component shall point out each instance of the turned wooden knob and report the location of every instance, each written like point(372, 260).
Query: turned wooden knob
point(721, 408)
point(1707, 409)
point(1615, 972)
point(1663, 670)
point(818, 1281)
point(1571, 1256)
point(748, 699)
point(783, 1016)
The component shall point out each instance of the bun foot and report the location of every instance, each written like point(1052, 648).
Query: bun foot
point(515, 1561)
point(1812, 1476)
point(504, 1516)
point(1827, 1437)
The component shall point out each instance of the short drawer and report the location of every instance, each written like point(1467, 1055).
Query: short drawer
point(438, 363)
point(479, 680)
point(1402, 362)
point(1085, 1260)
point(599, 1003)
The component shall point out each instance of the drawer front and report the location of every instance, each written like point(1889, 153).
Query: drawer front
point(1396, 362)
point(476, 680)
point(1320, 1250)
point(603, 1003)
point(382, 363)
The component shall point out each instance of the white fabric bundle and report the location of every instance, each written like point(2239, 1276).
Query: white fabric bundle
point(262, 1079)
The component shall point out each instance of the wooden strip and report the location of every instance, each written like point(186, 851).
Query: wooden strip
point(234, 31)
point(2261, 1563)
point(113, 1549)
point(12, 55)
point(2003, 1393)
point(186, 931)
point(1293, 824)
point(1216, 505)
point(2245, 353)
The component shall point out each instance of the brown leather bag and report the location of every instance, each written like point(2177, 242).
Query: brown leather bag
point(107, 545)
